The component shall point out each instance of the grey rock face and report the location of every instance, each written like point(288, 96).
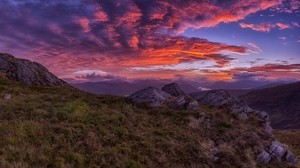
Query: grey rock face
point(151, 96)
point(7, 96)
point(184, 102)
point(27, 72)
point(173, 89)
point(216, 98)
point(219, 98)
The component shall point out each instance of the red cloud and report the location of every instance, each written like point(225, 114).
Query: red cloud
point(282, 26)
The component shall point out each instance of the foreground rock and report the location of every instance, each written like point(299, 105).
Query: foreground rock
point(7, 96)
point(184, 102)
point(150, 96)
point(277, 152)
point(173, 89)
point(27, 72)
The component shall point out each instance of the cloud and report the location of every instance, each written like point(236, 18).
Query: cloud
point(68, 36)
point(255, 47)
point(94, 77)
point(282, 26)
point(265, 27)
point(289, 6)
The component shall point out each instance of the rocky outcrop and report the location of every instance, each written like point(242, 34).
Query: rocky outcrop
point(27, 72)
point(150, 96)
point(184, 102)
point(215, 98)
point(221, 98)
point(173, 89)
point(278, 152)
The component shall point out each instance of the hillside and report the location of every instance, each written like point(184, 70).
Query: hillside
point(281, 102)
point(64, 127)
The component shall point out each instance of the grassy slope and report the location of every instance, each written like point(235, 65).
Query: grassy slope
point(291, 138)
point(281, 102)
point(64, 127)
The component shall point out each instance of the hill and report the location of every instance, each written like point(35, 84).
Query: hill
point(47, 126)
point(281, 102)
point(64, 127)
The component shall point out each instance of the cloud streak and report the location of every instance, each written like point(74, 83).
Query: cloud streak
point(265, 27)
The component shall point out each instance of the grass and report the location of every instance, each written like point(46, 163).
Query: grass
point(64, 127)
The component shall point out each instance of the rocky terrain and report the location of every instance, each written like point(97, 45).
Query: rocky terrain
point(44, 126)
point(155, 97)
point(27, 72)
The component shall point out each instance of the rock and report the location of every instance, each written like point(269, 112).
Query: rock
point(263, 115)
point(184, 102)
point(193, 105)
point(7, 96)
point(220, 98)
point(268, 128)
point(216, 98)
point(264, 157)
point(178, 103)
point(27, 72)
point(277, 150)
point(173, 89)
point(150, 96)
point(290, 157)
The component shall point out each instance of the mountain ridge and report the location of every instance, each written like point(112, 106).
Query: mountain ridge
point(27, 72)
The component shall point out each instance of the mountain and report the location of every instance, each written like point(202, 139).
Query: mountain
point(124, 88)
point(281, 102)
point(27, 72)
point(50, 126)
point(239, 92)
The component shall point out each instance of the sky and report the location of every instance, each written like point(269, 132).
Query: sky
point(104, 40)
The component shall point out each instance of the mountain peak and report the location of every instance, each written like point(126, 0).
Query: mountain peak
point(27, 72)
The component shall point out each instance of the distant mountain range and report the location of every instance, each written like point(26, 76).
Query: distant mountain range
point(123, 88)
point(281, 102)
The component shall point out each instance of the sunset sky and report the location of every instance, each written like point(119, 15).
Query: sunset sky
point(88, 40)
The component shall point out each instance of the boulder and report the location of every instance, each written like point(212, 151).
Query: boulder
point(7, 96)
point(290, 157)
point(150, 96)
point(193, 105)
point(173, 89)
point(215, 98)
point(27, 72)
point(278, 152)
point(220, 98)
point(264, 157)
point(263, 115)
point(268, 128)
point(184, 102)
